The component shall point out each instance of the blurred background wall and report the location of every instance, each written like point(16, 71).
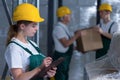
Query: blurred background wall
point(84, 15)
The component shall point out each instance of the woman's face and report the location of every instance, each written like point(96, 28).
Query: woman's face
point(30, 29)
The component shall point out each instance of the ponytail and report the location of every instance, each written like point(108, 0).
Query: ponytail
point(12, 32)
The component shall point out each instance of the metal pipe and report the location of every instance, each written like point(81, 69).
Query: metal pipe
point(7, 11)
point(50, 27)
point(10, 22)
point(60, 3)
point(20, 1)
point(37, 35)
point(98, 16)
point(4, 72)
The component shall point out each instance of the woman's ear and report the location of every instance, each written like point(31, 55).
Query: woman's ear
point(22, 26)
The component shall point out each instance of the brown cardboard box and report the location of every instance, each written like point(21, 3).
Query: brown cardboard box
point(90, 40)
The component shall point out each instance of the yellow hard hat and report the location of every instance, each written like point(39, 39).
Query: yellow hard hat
point(105, 6)
point(62, 11)
point(26, 11)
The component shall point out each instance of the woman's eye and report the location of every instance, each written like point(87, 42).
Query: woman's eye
point(34, 26)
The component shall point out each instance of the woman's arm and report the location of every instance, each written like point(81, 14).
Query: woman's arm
point(18, 74)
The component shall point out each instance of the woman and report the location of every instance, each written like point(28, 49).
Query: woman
point(26, 16)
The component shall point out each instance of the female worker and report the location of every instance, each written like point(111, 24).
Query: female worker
point(19, 49)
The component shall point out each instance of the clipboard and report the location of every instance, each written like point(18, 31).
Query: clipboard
point(44, 70)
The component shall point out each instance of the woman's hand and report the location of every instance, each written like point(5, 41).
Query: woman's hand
point(51, 72)
point(46, 62)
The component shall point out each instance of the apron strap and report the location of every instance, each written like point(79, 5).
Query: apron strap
point(111, 27)
point(27, 50)
point(37, 48)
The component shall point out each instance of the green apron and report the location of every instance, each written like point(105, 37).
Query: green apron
point(106, 43)
point(36, 59)
point(63, 68)
point(103, 51)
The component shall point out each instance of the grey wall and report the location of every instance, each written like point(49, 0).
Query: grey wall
point(3, 32)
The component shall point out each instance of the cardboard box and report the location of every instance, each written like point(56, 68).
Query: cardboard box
point(90, 40)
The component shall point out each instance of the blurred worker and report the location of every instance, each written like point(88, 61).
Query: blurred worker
point(63, 42)
point(20, 49)
point(106, 28)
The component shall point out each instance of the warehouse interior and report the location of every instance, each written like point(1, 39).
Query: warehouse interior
point(84, 15)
